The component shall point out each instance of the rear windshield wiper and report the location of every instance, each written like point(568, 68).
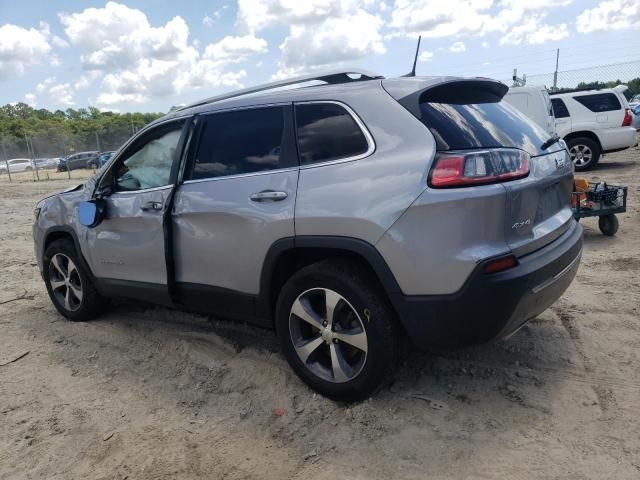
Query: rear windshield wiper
point(549, 142)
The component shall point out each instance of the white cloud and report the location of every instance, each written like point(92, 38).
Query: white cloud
point(210, 20)
point(333, 40)
point(456, 18)
point(254, 15)
point(45, 84)
point(140, 61)
point(85, 80)
point(546, 33)
point(532, 32)
point(58, 42)
point(610, 15)
point(235, 48)
point(62, 94)
point(30, 99)
point(21, 48)
point(437, 18)
point(534, 4)
point(321, 32)
point(458, 47)
point(425, 56)
point(485, 44)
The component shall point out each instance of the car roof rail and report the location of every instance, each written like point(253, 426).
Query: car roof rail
point(331, 77)
point(591, 89)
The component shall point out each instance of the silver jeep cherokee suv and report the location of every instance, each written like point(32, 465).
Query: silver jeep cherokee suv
point(347, 216)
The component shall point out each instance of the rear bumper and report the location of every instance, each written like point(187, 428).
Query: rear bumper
point(492, 306)
point(617, 138)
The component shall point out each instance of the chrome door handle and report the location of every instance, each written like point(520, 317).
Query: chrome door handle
point(151, 206)
point(268, 195)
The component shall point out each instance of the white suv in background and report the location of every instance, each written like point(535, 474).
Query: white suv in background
point(593, 122)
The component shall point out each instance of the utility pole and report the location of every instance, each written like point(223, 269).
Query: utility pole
point(32, 156)
point(35, 165)
point(98, 141)
point(6, 161)
point(555, 73)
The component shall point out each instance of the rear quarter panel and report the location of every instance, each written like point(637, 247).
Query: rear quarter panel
point(363, 198)
point(433, 248)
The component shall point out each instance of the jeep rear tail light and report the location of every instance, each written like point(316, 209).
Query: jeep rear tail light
point(474, 167)
point(626, 122)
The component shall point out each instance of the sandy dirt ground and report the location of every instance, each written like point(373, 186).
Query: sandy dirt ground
point(45, 175)
point(149, 393)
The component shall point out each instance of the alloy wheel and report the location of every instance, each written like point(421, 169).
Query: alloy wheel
point(65, 281)
point(328, 335)
point(580, 155)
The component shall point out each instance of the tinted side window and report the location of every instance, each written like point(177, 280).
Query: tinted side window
point(559, 108)
point(599, 102)
point(241, 141)
point(326, 131)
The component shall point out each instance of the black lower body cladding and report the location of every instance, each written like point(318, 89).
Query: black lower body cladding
point(493, 306)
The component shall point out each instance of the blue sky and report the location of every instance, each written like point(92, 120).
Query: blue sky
point(148, 55)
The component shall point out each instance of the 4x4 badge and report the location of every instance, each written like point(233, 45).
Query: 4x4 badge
point(518, 225)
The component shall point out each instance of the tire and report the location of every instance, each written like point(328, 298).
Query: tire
point(63, 285)
point(360, 308)
point(28, 169)
point(585, 153)
point(608, 224)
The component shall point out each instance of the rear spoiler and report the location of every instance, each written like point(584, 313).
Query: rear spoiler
point(410, 92)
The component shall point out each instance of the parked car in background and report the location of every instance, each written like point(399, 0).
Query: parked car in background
point(46, 163)
point(77, 160)
point(425, 208)
point(593, 122)
point(635, 122)
point(635, 101)
point(102, 159)
point(535, 103)
point(16, 165)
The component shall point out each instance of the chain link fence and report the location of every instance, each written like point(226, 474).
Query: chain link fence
point(35, 155)
point(601, 76)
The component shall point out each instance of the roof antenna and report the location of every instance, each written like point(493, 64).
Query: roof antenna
point(412, 73)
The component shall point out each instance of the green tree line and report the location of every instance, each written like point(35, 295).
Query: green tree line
point(24, 129)
point(634, 86)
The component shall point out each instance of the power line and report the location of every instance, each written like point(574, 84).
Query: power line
point(453, 69)
point(499, 69)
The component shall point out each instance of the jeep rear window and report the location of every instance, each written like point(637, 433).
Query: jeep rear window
point(463, 126)
point(599, 102)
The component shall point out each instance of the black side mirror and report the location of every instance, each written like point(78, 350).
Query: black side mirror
point(91, 213)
